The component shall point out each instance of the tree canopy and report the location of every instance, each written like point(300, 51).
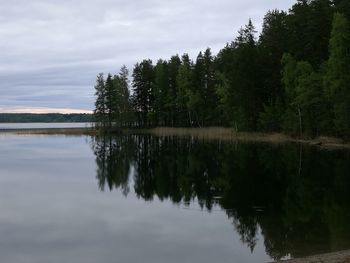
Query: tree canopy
point(292, 77)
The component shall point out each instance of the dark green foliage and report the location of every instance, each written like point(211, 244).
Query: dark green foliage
point(273, 43)
point(338, 74)
point(143, 97)
point(100, 111)
point(309, 25)
point(343, 7)
point(250, 84)
point(113, 103)
point(184, 84)
point(239, 90)
point(270, 119)
point(160, 90)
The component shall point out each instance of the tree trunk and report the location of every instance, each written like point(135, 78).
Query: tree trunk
point(300, 123)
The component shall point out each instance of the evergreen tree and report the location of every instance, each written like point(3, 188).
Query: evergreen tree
point(273, 43)
point(100, 102)
point(249, 85)
point(143, 78)
point(242, 81)
point(160, 92)
point(111, 99)
point(209, 89)
point(171, 101)
point(121, 111)
point(196, 102)
point(184, 84)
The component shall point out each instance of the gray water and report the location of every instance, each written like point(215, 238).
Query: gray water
point(41, 125)
point(148, 199)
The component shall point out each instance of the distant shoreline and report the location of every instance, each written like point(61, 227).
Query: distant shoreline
point(210, 133)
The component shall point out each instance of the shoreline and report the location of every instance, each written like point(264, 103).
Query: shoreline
point(334, 257)
point(210, 133)
point(51, 131)
point(229, 134)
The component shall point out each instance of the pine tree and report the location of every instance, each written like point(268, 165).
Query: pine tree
point(124, 93)
point(100, 102)
point(143, 78)
point(184, 84)
point(273, 43)
point(245, 84)
point(160, 91)
point(172, 107)
point(111, 99)
point(196, 103)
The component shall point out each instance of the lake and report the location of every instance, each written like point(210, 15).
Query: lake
point(168, 199)
point(43, 125)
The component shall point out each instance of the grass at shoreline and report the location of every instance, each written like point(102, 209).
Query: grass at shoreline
point(229, 134)
point(210, 133)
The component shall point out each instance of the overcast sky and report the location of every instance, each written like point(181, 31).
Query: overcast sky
point(52, 50)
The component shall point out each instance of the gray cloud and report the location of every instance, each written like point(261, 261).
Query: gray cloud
point(51, 51)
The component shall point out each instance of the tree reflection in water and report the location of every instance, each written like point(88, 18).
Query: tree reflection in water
point(298, 197)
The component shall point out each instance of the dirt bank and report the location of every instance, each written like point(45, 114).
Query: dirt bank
point(336, 257)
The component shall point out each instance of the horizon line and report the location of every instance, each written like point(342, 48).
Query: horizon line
point(43, 110)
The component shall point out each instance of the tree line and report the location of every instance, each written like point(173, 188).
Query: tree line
point(294, 77)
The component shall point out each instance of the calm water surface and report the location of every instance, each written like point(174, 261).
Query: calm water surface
point(149, 199)
point(42, 125)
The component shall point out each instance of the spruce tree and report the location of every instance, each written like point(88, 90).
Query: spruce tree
point(143, 79)
point(184, 84)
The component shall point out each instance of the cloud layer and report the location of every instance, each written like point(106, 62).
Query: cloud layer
point(52, 50)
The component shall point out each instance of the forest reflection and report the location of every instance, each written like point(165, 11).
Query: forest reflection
point(298, 197)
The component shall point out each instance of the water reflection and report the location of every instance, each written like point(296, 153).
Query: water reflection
point(297, 196)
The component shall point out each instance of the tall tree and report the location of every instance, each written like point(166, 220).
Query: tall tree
point(160, 91)
point(196, 101)
point(172, 107)
point(306, 113)
point(111, 99)
point(121, 110)
point(338, 73)
point(143, 78)
point(242, 81)
point(184, 84)
point(100, 102)
point(274, 41)
point(209, 89)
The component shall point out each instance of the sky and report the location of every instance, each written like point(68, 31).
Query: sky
point(51, 51)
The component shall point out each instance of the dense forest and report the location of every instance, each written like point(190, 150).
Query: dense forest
point(294, 78)
point(48, 117)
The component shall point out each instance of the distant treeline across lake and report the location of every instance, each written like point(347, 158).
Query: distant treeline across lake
point(48, 117)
